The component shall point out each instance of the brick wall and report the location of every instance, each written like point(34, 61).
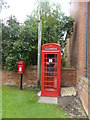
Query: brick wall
point(89, 57)
point(73, 49)
point(77, 43)
point(82, 38)
point(77, 48)
point(82, 87)
point(30, 77)
point(88, 41)
point(78, 38)
point(68, 77)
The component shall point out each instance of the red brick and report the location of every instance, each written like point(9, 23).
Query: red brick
point(77, 45)
point(30, 77)
point(68, 77)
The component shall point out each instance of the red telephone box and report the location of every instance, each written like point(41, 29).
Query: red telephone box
point(50, 70)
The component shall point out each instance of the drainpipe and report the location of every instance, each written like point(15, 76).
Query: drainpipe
point(86, 38)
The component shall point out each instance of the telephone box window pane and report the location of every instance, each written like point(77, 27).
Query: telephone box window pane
point(50, 71)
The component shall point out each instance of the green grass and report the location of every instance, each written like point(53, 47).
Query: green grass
point(0, 102)
point(23, 104)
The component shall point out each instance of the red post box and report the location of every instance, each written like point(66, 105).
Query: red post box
point(21, 67)
point(51, 70)
point(21, 70)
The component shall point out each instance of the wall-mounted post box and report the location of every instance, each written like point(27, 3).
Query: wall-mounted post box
point(50, 70)
point(21, 67)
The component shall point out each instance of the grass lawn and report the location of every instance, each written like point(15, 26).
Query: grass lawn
point(23, 104)
point(0, 102)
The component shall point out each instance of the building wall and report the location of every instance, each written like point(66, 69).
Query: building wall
point(77, 48)
point(82, 38)
point(74, 38)
point(88, 41)
point(82, 88)
point(78, 38)
point(89, 57)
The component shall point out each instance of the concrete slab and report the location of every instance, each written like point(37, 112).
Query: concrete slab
point(49, 100)
point(68, 91)
point(39, 93)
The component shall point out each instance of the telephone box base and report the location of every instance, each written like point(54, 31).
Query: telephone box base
point(50, 93)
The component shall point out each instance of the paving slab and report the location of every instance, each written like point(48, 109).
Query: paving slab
point(39, 93)
point(49, 100)
point(68, 91)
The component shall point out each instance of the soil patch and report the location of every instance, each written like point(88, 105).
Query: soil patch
point(73, 106)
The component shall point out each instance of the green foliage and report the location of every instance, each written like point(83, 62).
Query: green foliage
point(18, 50)
point(20, 41)
point(55, 24)
point(63, 62)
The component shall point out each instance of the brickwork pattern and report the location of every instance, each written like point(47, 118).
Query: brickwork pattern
point(77, 48)
point(78, 39)
point(83, 92)
point(88, 41)
point(68, 77)
point(30, 77)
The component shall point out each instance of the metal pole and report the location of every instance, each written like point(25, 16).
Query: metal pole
point(21, 82)
point(39, 44)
